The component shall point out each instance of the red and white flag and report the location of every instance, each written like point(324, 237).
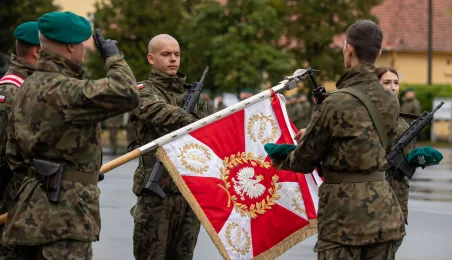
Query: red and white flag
point(249, 209)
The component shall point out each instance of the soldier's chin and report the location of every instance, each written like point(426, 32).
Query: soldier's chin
point(172, 71)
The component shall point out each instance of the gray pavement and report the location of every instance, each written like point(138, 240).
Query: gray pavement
point(430, 218)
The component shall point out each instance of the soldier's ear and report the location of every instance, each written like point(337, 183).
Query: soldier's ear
point(379, 54)
point(70, 47)
point(151, 59)
point(35, 51)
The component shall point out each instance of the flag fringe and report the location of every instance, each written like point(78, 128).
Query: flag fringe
point(271, 253)
point(183, 188)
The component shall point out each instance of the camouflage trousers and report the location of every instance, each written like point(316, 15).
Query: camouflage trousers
point(380, 251)
point(113, 135)
point(59, 250)
point(164, 229)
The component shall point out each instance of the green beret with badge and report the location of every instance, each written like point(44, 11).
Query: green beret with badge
point(424, 156)
point(65, 27)
point(278, 151)
point(28, 33)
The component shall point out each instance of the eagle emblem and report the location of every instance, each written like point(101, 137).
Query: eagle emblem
point(421, 159)
point(245, 185)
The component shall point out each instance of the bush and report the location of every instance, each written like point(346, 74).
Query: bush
point(425, 94)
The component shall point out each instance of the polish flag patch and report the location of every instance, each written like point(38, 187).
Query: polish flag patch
point(2, 99)
point(140, 86)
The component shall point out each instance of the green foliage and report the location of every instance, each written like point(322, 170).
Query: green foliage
point(311, 26)
point(15, 12)
point(133, 24)
point(239, 41)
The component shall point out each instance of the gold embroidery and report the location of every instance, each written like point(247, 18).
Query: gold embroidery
point(185, 154)
point(262, 127)
point(241, 236)
point(297, 207)
point(255, 208)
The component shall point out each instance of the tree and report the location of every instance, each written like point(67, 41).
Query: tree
point(238, 40)
point(13, 13)
point(133, 24)
point(311, 26)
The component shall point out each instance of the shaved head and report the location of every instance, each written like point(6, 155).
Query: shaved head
point(164, 54)
point(159, 40)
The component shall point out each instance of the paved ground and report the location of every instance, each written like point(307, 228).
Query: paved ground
point(430, 218)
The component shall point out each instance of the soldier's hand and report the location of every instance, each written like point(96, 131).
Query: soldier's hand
point(106, 48)
point(300, 134)
point(276, 163)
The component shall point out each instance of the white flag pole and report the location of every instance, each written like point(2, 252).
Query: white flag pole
point(287, 84)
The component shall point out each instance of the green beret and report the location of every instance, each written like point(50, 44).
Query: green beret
point(65, 27)
point(424, 156)
point(409, 89)
point(278, 151)
point(28, 32)
point(206, 91)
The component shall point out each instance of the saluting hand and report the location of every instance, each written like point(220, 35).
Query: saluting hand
point(106, 48)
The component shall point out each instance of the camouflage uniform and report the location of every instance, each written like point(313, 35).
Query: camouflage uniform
point(293, 112)
point(355, 217)
point(410, 106)
point(221, 106)
point(164, 229)
point(113, 125)
point(11, 182)
point(304, 115)
point(56, 117)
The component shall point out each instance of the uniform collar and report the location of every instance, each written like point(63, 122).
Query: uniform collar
point(20, 67)
point(170, 83)
point(52, 62)
point(357, 75)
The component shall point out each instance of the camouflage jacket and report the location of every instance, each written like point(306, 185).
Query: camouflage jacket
point(401, 188)
point(304, 115)
point(411, 106)
point(20, 68)
point(159, 113)
point(57, 117)
point(342, 137)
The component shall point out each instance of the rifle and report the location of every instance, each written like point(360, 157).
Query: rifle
point(318, 92)
point(190, 101)
point(398, 166)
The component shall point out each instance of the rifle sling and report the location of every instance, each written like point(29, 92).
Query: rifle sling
point(361, 96)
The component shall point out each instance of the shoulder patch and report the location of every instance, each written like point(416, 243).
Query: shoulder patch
point(12, 79)
point(2, 99)
point(140, 86)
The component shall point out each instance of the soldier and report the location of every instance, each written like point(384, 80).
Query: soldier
point(206, 93)
point(390, 80)
point(359, 216)
point(20, 68)
point(246, 93)
point(305, 112)
point(55, 134)
point(410, 105)
point(168, 228)
point(293, 109)
point(114, 124)
point(220, 105)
